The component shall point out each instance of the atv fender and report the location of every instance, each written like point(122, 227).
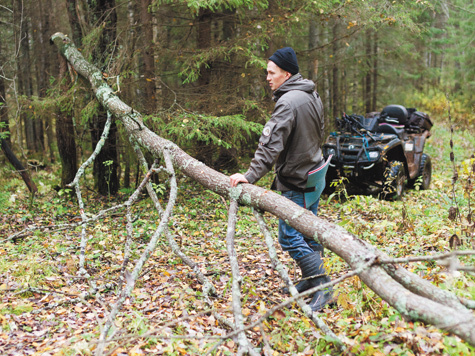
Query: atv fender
point(394, 151)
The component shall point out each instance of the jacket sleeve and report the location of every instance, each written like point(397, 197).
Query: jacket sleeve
point(272, 142)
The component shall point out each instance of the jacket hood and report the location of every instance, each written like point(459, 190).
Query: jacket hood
point(295, 82)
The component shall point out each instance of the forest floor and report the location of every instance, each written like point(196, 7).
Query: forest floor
point(42, 313)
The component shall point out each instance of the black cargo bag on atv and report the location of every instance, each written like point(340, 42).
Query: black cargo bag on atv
point(418, 121)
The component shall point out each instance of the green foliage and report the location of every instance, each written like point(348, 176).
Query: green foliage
point(437, 103)
point(3, 125)
point(216, 5)
point(186, 130)
point(192, 66)
point(4, 200)
point(17, 310)
point(3, 134)
point(89, 111)
point(160, 189)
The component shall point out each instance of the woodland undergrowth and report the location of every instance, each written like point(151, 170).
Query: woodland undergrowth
point(41, 311)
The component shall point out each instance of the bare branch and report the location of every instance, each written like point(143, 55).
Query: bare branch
point(439, 257)
point(244, 344)
point(132, 277)
point(75, 185)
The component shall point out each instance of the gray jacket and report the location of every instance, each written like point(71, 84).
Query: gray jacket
point(292, 137)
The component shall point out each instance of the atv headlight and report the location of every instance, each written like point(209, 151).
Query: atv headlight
point(330, 151)
point(373, 155)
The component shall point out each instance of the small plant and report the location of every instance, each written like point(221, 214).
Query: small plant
point(160, 188)
point(108, 164)
point(65, 192)
point(137, 323)
point(339, 189)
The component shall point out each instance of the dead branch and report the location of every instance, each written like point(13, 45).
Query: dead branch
point(207, 285)
point(75, 184)
point(132, 199)
point(244, 344)
point(131, 278)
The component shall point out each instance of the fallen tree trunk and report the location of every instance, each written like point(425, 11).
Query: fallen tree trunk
point(18, 166)
point(418, 301)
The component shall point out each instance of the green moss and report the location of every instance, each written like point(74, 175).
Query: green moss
point(17, 309)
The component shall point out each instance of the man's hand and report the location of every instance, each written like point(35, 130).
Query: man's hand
point(237, 178)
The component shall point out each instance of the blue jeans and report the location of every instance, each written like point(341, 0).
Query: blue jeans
point(292, 241)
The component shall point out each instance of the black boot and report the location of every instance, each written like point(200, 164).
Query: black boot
point(304, 284)
point(312, 265)
point(322, 297)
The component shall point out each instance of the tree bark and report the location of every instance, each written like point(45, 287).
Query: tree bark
point(335, 74)
point(18, 166)
point(368, 77)
point(25, 85)
point(150, 99)
point(65, 136)
point(312, 61)
point(74, 22)
point(3, 102)
point(205, 17)
point(453, 316)
point(374, 101)
point(43, 65)
point(105, 166)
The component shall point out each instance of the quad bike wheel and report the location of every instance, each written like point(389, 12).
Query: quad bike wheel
point(425, 171)
point(395, 181)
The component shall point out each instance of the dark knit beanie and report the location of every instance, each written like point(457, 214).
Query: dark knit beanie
point(286, 59)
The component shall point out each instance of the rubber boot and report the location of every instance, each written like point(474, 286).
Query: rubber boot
point(312, 265)
point(304, 284)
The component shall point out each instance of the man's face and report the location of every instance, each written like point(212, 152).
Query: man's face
point(276, 75)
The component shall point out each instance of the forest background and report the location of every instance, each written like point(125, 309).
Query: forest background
point(196, 70)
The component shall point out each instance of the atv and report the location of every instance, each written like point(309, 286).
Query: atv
point(380, 153)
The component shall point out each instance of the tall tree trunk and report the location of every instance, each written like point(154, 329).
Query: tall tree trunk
point(344, 90)
point(65, 135)
point(312, 70)
point(148, 49)
point(3, 102)
point(43, 61)
point(441, 18)
point(368, 76)
point(335, 73)
point(354, 92)
point(74, 22)
point(105, 166)
point(205, 17)
point(271, 44)
point(374, 101)
point(25, 86)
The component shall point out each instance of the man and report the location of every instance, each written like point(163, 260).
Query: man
point(291, 140)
